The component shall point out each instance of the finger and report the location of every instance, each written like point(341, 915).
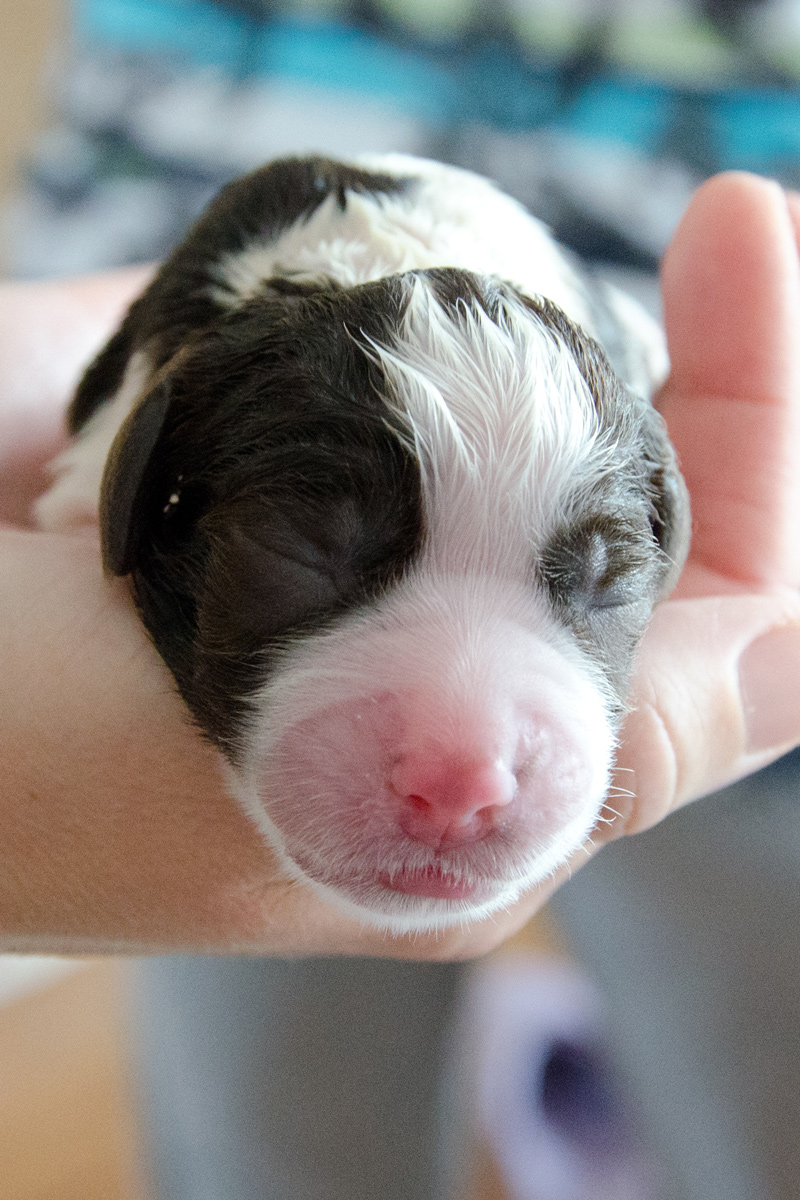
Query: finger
point(24, 471)
point(48, 333)
point(731, 285)
point(717, 695)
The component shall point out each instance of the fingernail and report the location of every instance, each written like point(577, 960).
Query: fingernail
point(769, 684)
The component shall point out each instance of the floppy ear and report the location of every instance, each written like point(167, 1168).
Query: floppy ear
point(121, 492)
point(671, 516)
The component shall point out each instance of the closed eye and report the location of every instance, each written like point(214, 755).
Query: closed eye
point(616, 594)
point(598, 565)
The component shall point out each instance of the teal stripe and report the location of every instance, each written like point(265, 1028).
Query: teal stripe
point(757, 130)
point(618, 110)
point(485, 84)
point(344, 58)
point(202, 33)
point(304, 50)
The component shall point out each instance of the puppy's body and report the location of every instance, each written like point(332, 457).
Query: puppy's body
point(391, 519)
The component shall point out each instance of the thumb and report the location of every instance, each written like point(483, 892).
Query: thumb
point(716, 695)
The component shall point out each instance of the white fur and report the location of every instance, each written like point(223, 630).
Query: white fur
point(504, 427)
point(648, 368)
point(450, 218)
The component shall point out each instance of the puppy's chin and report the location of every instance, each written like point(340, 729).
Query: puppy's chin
point(411, 900)
point(391, 884)
point(422, 900)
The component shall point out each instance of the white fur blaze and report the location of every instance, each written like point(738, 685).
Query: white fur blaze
point(503, 425)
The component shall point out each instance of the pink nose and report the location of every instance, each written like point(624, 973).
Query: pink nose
point(450, 801)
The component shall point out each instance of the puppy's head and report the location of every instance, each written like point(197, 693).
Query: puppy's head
point(397, 544)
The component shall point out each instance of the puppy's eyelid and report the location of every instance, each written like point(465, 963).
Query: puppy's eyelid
point(598, 555)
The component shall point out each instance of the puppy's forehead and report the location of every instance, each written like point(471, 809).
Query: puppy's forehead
point(509, 434)
point(502, 401)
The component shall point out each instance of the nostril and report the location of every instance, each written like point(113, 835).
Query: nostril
point(419, 804)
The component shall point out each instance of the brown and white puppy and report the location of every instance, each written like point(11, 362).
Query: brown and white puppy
point(392, 520)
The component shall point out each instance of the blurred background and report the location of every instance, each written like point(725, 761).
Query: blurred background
point(65, 1117)
point(31, 31)
point(641, 1041)
point(601, 115)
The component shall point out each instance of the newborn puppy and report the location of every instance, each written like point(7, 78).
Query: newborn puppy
point(392, 520)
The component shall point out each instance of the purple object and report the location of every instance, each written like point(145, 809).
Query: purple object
point(547, 1099)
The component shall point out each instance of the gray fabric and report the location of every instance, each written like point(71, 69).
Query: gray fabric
point(693, 931)
point(307, 1080)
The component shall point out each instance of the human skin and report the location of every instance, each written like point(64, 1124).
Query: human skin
point(117, 833)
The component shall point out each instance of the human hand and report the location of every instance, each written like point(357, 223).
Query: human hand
point(717, 692)
point(48, 332)
point(118, 834)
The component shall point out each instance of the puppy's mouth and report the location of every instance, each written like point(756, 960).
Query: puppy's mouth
point(402, 883)
point(433, 882)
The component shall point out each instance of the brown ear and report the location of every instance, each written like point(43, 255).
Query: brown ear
point(121, 493)
point(671, 516)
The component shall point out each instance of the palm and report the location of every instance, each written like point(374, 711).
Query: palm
point(732, 403)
